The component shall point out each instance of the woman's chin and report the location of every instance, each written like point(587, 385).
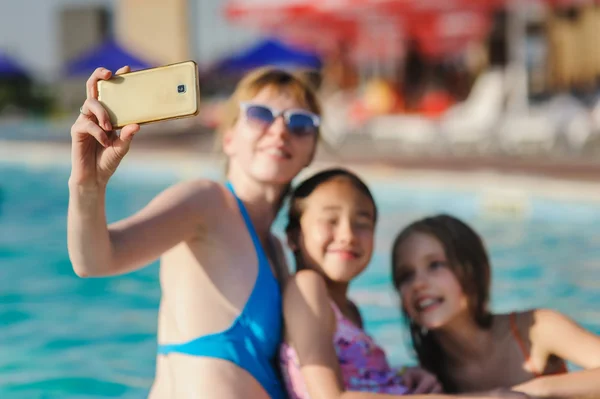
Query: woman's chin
point(274, 175)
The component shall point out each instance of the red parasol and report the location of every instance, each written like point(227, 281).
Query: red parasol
point(440, 27)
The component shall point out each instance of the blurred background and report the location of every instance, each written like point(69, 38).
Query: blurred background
point(466, 78)
point(485, 109)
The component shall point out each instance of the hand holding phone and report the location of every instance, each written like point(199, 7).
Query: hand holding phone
point(96, 150)
point(128, 100)
point(151, 95)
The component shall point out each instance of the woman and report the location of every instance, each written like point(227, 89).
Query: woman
point(220, 312)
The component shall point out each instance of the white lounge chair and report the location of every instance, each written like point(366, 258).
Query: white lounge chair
point(469, 125)
point(405, 133)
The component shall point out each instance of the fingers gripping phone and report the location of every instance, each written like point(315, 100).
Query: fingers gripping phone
point(151, 95)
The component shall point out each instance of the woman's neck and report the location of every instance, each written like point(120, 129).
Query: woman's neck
point(463, 341)
point(260, 199)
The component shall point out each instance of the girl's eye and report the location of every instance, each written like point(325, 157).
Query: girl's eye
point(437, 265)
point(330, 221)
point(405, 278)
point(363, 224)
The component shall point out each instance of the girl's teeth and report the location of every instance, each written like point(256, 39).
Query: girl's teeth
point(426, 302)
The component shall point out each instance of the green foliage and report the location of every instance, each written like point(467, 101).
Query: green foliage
point(22, 96)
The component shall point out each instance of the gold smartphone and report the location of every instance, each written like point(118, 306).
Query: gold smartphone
point(151, 95)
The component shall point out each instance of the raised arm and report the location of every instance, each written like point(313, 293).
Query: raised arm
point(173, 216)
point(96, 152)
point(556, 334)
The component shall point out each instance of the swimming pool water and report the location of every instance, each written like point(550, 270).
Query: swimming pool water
point(65, 337)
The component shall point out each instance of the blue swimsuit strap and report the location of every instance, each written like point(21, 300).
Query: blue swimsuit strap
point(250, 226)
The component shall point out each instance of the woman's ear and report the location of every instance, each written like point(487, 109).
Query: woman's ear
point(226, 143)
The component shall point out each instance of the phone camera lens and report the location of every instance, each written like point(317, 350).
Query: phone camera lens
point(181, 89)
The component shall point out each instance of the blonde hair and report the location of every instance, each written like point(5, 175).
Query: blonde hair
point(259, 79)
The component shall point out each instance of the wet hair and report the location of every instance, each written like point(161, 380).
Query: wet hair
point(469, 261)
point(308, 186)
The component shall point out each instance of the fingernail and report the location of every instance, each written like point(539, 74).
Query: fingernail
point(107, 126)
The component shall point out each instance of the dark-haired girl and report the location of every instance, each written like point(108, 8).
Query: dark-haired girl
point(441, 269)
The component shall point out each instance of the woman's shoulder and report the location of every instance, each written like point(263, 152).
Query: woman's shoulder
point(196, 187)
point(199, 195)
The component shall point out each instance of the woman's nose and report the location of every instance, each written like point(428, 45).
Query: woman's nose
point(278, 127)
